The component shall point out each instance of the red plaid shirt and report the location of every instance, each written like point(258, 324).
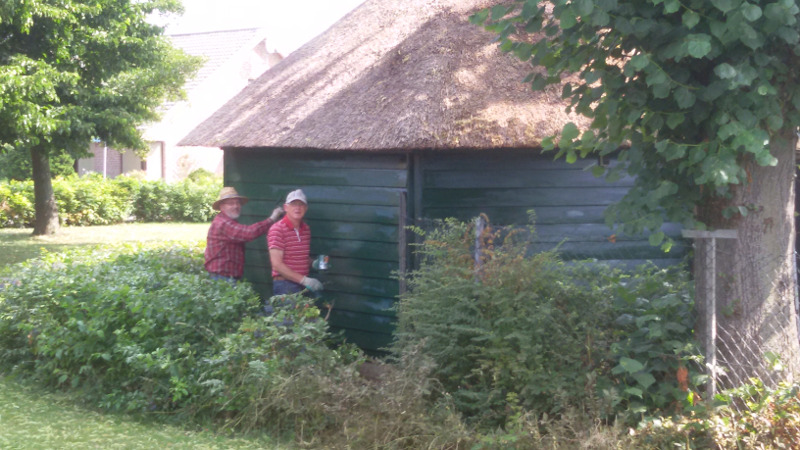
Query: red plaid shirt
point(225, 244)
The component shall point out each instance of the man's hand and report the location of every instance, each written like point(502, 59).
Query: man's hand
point(312, 284)
point(276, 214)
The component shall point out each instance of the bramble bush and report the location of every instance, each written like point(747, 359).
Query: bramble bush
point(140, 327)
point(94, 200)
point(117, 323)
point(534, 333)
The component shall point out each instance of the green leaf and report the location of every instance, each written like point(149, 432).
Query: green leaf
point(765, 159)
point(775, 122)
point(751, 12)
point(584, 7)
point(480, 17)
point(656, 77)
point(684, 97)
point(789, 35)
point(725, 71)
point(600, 18)
point(630, 365)
point(572, 156)
point(661, 90)
point(547, 144)
point(656, 238)
point(529, 9)
point(498, 11)
point(690, 19)
point(639, 62)
point(539, 82)
point(699, 45)
point(644, 379)
point(634, 391)
point(523, 51)
point(671, 6)
point(567, 19)
point(674, 120)
point(774, 12)
point(724, 5)
point(570, 131)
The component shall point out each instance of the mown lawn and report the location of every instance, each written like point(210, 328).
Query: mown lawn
point(18, 244)
point(32, 418)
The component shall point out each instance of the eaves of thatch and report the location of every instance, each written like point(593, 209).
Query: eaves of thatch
point(392, 75)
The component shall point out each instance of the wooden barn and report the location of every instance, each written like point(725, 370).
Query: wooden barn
point(401, 113)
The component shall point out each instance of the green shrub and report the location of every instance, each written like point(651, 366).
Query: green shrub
point(117, 323)
point(16, 204)
point(151, 202)
point(91, 200)
point(142, 327)
point(185, 201)
point(190, 200)
point(94, 200)
point(542, 334)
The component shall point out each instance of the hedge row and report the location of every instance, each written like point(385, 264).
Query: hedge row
point(94, 200)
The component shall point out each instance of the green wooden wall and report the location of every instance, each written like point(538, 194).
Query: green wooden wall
point(354, 214)
point(567, 199)
point(360, 202)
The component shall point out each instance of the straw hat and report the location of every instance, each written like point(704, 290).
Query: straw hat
point(226, 193)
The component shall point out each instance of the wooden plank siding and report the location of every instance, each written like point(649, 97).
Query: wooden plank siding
point(360, 202)
point(568, 202)
point(354, 210)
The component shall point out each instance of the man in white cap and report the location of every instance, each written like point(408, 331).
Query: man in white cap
point(227, 237)
point(289, 243)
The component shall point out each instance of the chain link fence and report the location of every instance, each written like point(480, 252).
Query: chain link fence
point(748, 342)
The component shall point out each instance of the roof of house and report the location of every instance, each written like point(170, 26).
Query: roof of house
point(217, 47)
point(228, 55)
point(392, 75)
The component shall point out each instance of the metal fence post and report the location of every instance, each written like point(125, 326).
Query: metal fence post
point(710, 276)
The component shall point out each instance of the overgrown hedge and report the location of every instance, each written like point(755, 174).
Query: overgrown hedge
point(538, 334)
point(93, 200)
point(557, 355)
point(143, 327)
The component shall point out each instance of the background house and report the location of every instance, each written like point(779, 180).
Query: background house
point(233, 59)
point(400, 114)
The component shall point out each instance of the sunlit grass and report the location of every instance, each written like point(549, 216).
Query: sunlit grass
point(18, 244)
point(31, 418)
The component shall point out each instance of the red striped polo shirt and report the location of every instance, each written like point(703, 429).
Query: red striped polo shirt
point(295, 243)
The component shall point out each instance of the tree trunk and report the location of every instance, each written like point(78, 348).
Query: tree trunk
point(45, 206)
point(756, 285)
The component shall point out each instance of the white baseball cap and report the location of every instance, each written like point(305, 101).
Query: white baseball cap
point(296, 195)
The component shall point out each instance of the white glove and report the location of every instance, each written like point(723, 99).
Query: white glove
point(312, 284)
point(276, 214)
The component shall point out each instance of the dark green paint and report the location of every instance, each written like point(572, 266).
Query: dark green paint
point(355, 214)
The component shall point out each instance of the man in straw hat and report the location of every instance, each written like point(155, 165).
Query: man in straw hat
point(226, 236)
point(289, 243)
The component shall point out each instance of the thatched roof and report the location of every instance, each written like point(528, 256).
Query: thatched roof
point(392, 75)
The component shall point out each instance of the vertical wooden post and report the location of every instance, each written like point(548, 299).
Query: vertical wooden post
point(480, 226)
point(402, 241)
